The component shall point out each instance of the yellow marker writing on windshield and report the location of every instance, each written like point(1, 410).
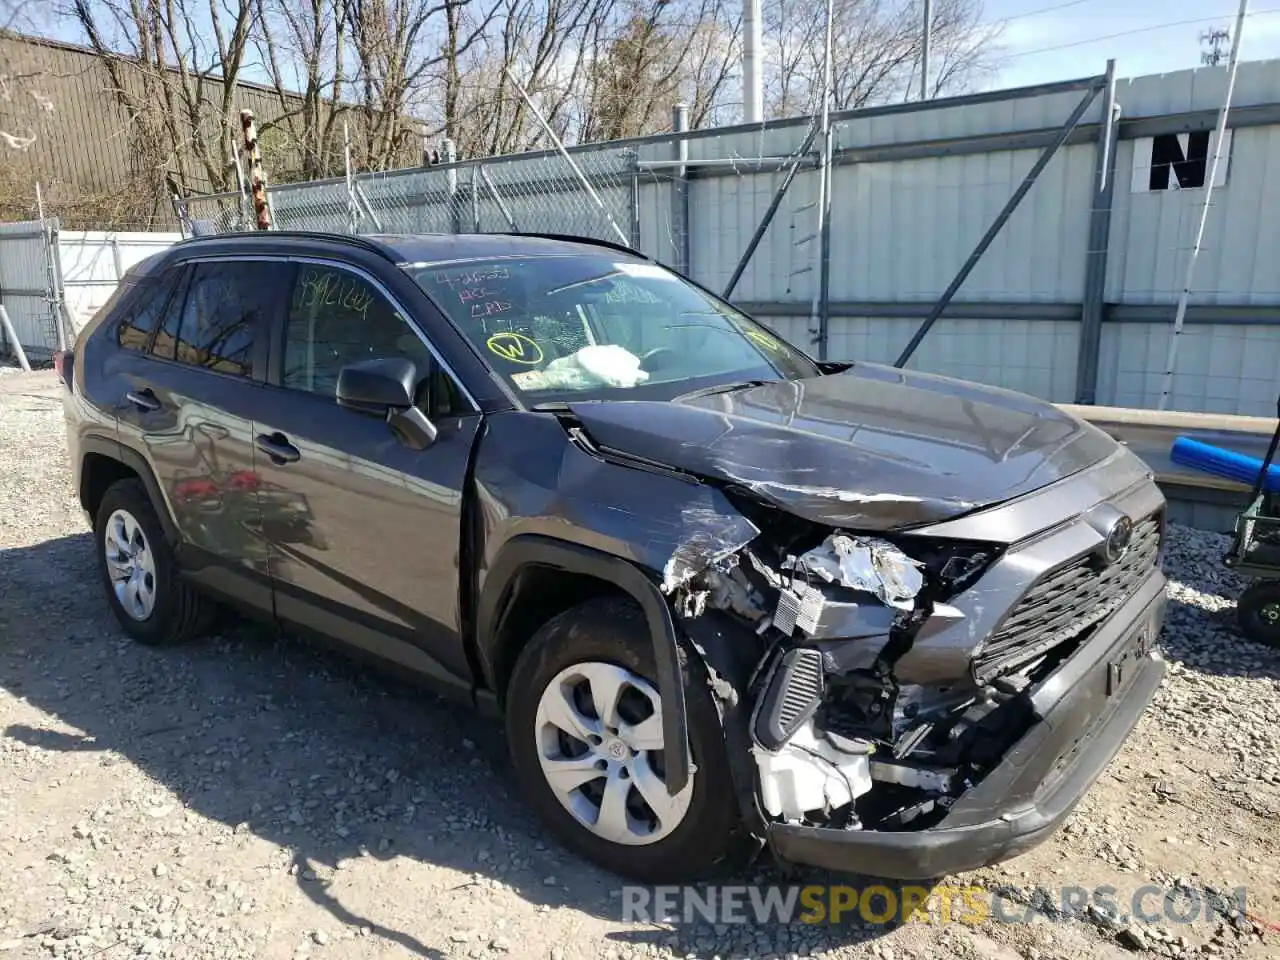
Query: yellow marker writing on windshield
point(515, 348)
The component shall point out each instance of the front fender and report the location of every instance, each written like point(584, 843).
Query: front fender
point(533, 550)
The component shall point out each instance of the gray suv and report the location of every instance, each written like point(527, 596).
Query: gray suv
point(725, 597)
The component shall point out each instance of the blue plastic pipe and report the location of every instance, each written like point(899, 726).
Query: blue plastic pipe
point(1223, 463)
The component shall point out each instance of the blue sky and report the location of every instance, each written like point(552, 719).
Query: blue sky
point(1156, 49)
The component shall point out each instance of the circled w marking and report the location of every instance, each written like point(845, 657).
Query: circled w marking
point(515, 348)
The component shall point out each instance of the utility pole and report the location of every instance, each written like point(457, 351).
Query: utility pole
point(752, 72)
point(1180, 314)
point(926, 29)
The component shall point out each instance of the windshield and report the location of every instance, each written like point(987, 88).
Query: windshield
point(588, 327)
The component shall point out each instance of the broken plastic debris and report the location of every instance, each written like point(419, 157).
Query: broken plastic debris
point(707, 537)
point(864, 563)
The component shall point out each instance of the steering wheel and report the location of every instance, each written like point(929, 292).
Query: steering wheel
point(656, 352)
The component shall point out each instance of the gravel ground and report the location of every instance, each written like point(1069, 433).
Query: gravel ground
point(248, 796)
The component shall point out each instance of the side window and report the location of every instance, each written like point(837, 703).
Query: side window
point(336, 317)
point(225, 303)
point(145, 310)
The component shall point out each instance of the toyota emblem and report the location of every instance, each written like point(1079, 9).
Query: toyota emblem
point(1116, 544)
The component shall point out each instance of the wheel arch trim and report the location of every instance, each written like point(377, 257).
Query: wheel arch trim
point(534, 550)
point(114, 450)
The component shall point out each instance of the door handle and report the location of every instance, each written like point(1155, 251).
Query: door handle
point(278, 448)
point(143, 399)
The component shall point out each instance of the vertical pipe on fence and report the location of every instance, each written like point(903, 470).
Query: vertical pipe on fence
point(353, 205)
point(449, 151)
point(257, 178)
point(1097, 254)
point(926, 32)
point(1180, 315)
point(635, 199)
point(680, 190)
point(53, 271)
point(475, 198)
point(1001, 219)
point(752, 61)
point(818, 308)
point(117, 263)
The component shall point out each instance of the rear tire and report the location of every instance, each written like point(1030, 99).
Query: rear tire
point(139, 571)
point(1258, 612)
point(608, 641)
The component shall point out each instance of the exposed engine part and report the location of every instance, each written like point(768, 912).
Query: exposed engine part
point(812, 610)
point(846, 656)
point(907, 743)
point(866, 564)
point(810, 776)
point(790, 697)
point(731, 590)
point(910, 775)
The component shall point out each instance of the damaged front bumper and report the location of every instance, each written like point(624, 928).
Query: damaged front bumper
point(1082, 712)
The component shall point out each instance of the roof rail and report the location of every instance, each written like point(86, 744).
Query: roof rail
point(354, 240)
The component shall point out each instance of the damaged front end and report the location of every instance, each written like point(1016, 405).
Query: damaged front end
point(837, 740)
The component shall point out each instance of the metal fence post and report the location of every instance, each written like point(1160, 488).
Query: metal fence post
point(635, 199)
point(450, 156)
point(353, 205)
point(475, 198)
point(1097, 254)
point(680, 190)
point(1001, 219)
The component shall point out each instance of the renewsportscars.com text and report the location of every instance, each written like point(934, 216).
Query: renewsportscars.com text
point(884, 904)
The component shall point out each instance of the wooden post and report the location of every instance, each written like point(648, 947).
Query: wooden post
point(257, 179)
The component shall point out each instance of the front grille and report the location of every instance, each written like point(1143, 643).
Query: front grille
point(1067, 601)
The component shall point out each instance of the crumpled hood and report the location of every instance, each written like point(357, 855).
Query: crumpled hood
point(872, 448)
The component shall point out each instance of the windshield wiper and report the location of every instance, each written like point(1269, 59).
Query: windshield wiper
point(720, 388)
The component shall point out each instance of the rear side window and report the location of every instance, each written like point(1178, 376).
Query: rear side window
point(146, 303)
point(223, 310)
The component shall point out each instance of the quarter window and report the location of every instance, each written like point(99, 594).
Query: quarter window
point(146, 309)
point(223, 310)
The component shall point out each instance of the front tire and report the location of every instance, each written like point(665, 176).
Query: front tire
point(139, 572)
point(585, 734)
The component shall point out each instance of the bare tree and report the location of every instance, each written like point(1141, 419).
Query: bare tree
point(304, 48)
point(659, 52)
point(400, 46)
point(877, 51)
point(175, 67)
point(544, 42)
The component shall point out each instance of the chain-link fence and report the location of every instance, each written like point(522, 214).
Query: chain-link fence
point(592, 196)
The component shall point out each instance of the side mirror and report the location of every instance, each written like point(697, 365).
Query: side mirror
point(387, 388)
